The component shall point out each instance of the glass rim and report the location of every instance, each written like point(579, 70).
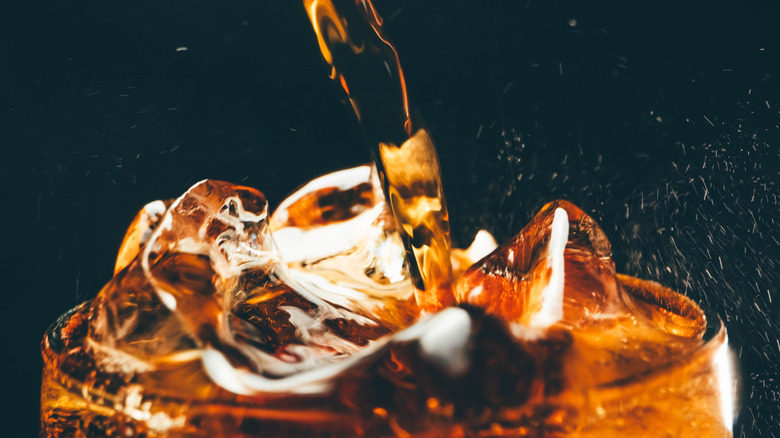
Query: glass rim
point(713, 335)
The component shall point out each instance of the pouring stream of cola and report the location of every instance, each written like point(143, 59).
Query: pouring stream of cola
point(366, 64)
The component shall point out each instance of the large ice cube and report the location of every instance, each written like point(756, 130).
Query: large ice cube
point(338, 236)
point(559, 265)
point(177, 273)
point(558, 273)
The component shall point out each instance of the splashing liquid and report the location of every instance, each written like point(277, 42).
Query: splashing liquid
point(366, 64)
point(224, 321)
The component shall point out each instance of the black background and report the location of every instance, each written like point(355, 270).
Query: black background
point(658, 118)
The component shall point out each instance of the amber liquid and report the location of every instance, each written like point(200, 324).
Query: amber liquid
point(394, 397)
point(125, 365)
point(622, 357)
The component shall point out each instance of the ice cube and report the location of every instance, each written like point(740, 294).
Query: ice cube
point(337, 235)
point(175, 274)
point(558, 273)
point(558, 268)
